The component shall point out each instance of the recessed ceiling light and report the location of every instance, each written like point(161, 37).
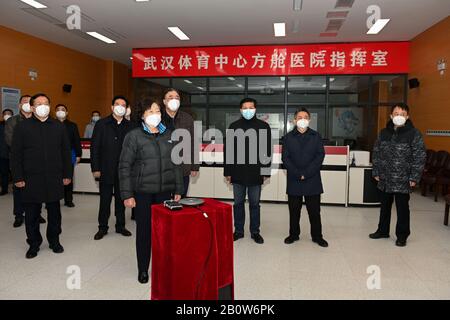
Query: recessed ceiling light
point(332, 79)
point(231, 78)
point(34, 4)
point(378, 26)
point(100, 37)
point(187, 81)
point(239, 85)
point(298, 4)
point(324, 86)
point(279, 29)
point(178, 33)
point(200, 88)
point(142, 0)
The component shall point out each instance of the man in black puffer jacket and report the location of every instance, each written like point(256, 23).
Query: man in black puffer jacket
point(398, 161)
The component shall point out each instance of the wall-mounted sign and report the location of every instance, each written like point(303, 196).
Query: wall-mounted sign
point(10, 99)
point(311, 59)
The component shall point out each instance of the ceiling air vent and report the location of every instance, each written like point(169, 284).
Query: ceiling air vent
point(337, 14)
point(344, 3)
point(75, 32)
point(334, 25)
point(43, 16)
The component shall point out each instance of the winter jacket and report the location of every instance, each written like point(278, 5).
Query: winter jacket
point(145, 164)
point(398, 157)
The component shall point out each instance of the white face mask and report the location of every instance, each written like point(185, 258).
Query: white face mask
point(119, 110)
point(399, 120)
point(61, 115)
point(95, 118)
point(43, 110)
point(153, 120)
point(6, 117)
point(302, 123)
point(26, 108)
point(174, 104)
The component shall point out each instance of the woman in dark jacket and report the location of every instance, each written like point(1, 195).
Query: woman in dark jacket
point(147, 175)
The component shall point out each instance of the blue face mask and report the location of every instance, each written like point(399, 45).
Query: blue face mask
point(248, 113)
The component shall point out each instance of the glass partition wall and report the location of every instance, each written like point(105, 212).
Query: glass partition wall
point(345, 109)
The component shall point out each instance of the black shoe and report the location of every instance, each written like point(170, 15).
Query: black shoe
point(124, 232)
point(257, 237)
point(237, 236)
point(57, 247)
point(100, 234)
point(69, 204)
point(18, 222)
point(378, 235)
point(42, 220)
point(143, 277)
point(400, 243)
point(32, 253)
point(321, 242)
point(291, 239)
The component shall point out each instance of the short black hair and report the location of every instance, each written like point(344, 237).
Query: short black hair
point(119, 97)
point(24, 96)
point(245, 100)
point(95, 111)
point(37, 96)
point(170, 90)
point(61, 105)
point(302, 110)
point(144, 105)
point(6, 110)
point(402, 106)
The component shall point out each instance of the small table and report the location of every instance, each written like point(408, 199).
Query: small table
point(192, 252)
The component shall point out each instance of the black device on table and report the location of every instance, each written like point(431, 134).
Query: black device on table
point(172, 205)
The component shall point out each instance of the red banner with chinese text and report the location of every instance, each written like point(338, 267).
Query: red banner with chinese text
point(310, 59)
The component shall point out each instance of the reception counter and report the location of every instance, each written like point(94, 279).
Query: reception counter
point(343, 185)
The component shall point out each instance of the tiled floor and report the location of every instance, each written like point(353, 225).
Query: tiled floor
point(269, 271)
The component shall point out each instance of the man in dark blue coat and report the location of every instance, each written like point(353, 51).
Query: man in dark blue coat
point(303, 154)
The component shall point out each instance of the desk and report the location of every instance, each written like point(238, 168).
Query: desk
point(192, 256)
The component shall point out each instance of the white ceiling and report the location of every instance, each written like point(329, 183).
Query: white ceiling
point(216, 22)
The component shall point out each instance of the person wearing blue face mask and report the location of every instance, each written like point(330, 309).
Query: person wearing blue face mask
point(245, 168)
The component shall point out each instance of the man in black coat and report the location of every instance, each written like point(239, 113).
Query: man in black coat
point(4, 153)
point(41, 167)
point(247, 159)
point(75, 146)
point(398, 160)
point(303, 155)
point(25, 112)
point(106, 146)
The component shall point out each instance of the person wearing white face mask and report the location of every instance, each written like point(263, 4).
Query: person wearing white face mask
point(106, 145)
point(241, 169)
point(75, 146)
point(302, 155)
point(148, 176)
point(399, 156)
point(174, 118)
point(89, 130)
point(4, 153)
point(25, 112)
point(41, 166)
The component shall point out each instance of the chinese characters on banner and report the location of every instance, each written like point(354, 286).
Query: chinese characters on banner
point(344, 58)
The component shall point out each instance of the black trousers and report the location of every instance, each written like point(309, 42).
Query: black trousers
point(313, 207)
point(18, 206)
point(143, 218)
point(4, 172)
point(106, 193)
point(68, 192)
point(32, 214)
point(402, 230)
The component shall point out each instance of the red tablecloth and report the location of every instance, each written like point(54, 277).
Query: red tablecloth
point(192, 256)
